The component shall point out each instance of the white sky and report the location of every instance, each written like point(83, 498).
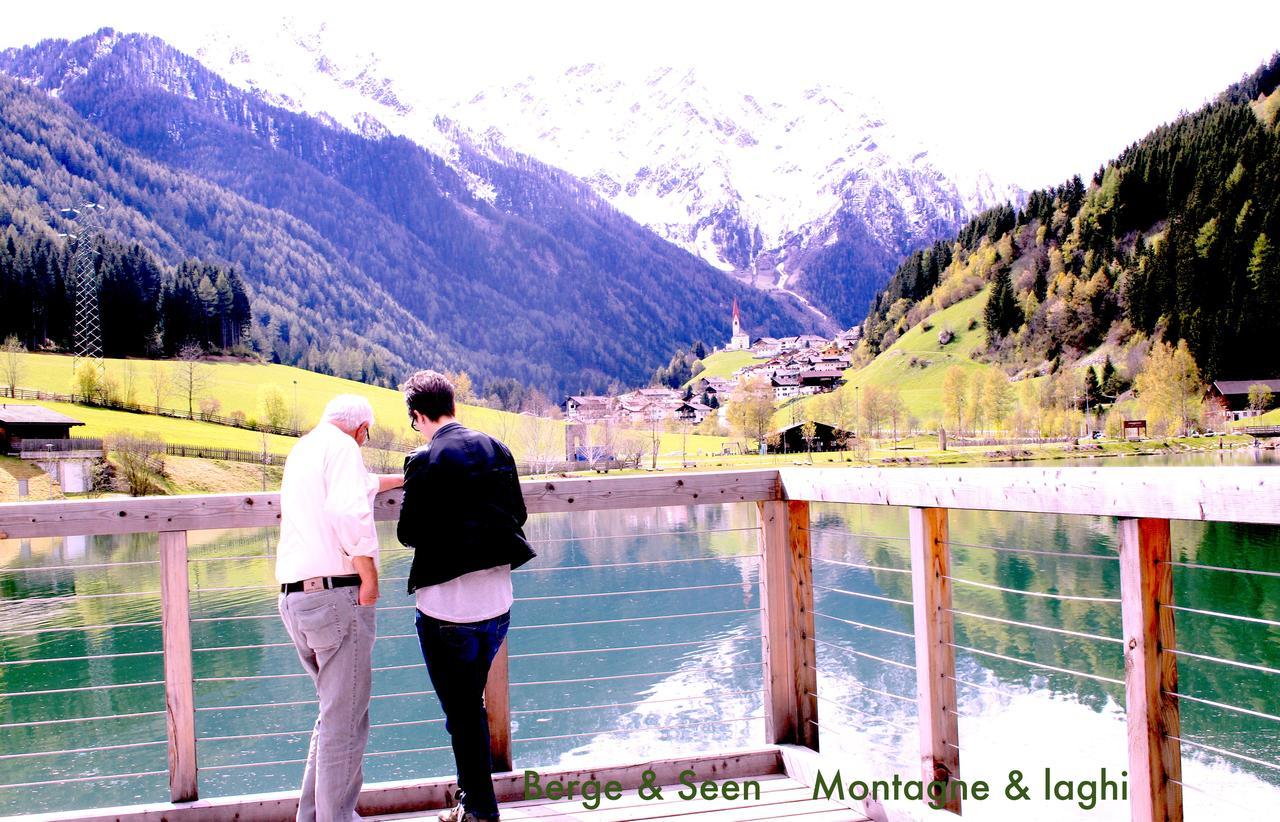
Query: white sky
point(1032, 92)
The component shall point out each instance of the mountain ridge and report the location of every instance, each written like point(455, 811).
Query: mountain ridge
point(573, 277)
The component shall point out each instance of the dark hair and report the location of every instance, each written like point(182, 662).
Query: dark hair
point(429, 393)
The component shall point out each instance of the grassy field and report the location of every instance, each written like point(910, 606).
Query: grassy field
point(722, 364)
point(921, 384)
point(241, 386)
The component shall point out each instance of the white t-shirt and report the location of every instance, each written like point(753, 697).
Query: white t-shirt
point(471, 597)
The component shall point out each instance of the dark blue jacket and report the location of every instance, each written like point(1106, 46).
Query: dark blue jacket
point(463, 510)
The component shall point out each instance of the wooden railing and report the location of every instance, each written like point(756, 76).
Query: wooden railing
point(1142, 499)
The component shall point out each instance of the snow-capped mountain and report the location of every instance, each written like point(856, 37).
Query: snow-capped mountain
point(809, 190)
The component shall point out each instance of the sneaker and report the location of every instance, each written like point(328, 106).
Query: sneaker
point(458, 813)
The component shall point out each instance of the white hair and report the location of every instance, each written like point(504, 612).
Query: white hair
point(348, 412)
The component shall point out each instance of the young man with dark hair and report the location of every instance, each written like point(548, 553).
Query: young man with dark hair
point(463, 513)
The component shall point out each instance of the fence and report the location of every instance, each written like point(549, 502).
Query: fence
point(29, 446)
point(791, 583)
point(154, 410)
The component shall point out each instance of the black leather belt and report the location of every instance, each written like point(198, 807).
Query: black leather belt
point(320, 584)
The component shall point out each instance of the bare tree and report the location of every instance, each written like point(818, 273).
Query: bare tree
point(129, 383)
point(11, 362)
point(139, 462)
point(193, 377)
point(160, 383)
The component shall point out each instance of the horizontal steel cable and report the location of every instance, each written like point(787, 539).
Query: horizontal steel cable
point(295, 702)
point(1257, 620)
point(632, 676)
point(1233, 663)
point(633, 564)
point(868, 714)
point(1223, 706)
point(632, 647)
point(1007, 550)
point(1275, 766)
point(1080, 634)
point(863, 566)
point(230, 559)
point(83, 688)
point(864, 655)
point(821, 529)
point(869, 689)
point(1054, 668)
point(857, 624)
point(36, 631)
point(634, 730)
point(861, 595)
point(84, 750)
point(234, 737)
point(1273, 574)
point(719, 695)
point(1212, 796)
point(39, 722)
point(990, 688)
point(632, 619)
point(559, 597)
point(32, 568)
point(881, 746)
point(63, 597)
point(640, 534)
point(1042, 594)
point(67, 780)
point(80, 658)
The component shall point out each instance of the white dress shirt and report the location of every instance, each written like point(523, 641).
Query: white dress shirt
point(326, 507)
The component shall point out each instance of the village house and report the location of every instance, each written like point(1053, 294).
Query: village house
point(590, 408)
point(1235, 393)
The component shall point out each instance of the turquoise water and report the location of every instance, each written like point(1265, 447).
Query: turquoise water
point(690, 683)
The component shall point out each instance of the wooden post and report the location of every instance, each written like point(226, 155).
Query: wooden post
point(179, 692)
point(935, 658)
point(1150, 671)
point(786, 600)
point(497, 702)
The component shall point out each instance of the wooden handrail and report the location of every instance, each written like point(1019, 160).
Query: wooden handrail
point(1243, 494)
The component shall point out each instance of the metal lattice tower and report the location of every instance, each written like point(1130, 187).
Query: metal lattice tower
point(87, 335)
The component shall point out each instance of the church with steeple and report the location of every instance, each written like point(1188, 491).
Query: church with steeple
point(740, 341)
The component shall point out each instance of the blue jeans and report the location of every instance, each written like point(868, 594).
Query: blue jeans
point(458, 656)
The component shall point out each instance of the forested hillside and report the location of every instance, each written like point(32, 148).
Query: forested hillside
point(363, 256)
point(148, 308)
point(1173, 240)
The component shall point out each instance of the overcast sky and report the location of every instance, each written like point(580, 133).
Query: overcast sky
point(1031, 92)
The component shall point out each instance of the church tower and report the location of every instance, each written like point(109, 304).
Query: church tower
point(740, 341)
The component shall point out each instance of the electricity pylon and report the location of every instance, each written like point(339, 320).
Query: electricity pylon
point(87, 334)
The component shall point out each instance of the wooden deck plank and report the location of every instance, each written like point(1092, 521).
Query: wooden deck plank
point(768, 783)
point(781, 797)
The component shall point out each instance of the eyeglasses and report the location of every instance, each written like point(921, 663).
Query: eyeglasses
point(413, 421)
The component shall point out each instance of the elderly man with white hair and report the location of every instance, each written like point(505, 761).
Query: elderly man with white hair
point(327, 567)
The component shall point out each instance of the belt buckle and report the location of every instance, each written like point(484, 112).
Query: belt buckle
point(313, 584)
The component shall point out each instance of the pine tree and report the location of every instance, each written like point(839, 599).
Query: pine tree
point(1001, 314)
